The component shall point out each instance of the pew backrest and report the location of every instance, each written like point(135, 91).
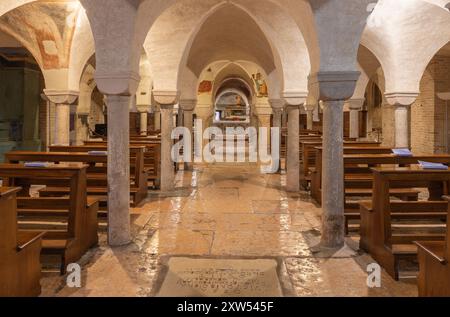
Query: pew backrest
point(73, 174)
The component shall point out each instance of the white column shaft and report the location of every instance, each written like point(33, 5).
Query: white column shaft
point(167, 165)
point(62, 124)
point(354, 123)
point(401, 127)
point(293, 159)
point(188, 123)
point(309, 119)
point(144, 123)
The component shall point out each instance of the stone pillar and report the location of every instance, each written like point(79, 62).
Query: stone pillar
point(277, 110)
point(167, 167)
point(402, 103)
point(118, 170)
point(188, 107)
point(284, 119)
point(333, 88)
point(62, 124)
point(293, 102)
point(180, 114)
point(166, 101)
point(309, 108)
point(82, 128)
point(293, 149)
point(62, 100)
point(355, 106)
point(333, 173)
point(401, 126)
point(144, 122)
point(157, 117)
point(119, 92)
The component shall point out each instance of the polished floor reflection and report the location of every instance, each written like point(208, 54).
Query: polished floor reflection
point(226, 212)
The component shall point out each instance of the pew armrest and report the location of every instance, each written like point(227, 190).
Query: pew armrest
point(366, 205)
point(433, 248)
point(27, 238)
point(92, 201)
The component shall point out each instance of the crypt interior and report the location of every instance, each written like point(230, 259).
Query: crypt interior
point(90, 96)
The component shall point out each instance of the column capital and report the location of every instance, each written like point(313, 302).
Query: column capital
point(119, 83)
point(336, 85)
point(355, 104)
point(277, 104)
point(166, 97)
point(67, 97)
point(143, 108)
point(401, 99)
point(310, 107)
point(294, 98)
point(188, 104)
point(167, 107)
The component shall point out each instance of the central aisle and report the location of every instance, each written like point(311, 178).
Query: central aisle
point(225, 212)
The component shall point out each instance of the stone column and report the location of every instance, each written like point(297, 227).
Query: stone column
point(82, 128)
point(309, 108)
point(157, 117)
point(62, 100)
point(167, 167)
point(401, 126)
point(446, 97)
point(293, 149)
point(188, 107)
point(144, 122)
point(355, 106)
point(277, 110)
point(118, 170)
point(180, 117)
point(284, 119)
point(293, 102)
point(333, 88)
point(402, 103)
point(166, 101)
point(333, 173)
point(119, 91)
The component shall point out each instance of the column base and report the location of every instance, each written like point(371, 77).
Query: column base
point(333, 234)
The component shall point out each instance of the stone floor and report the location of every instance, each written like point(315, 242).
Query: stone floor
point(224, 213)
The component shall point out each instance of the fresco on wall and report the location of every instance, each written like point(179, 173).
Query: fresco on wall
point(205, 87)
point(231, 99)
point(261, 86)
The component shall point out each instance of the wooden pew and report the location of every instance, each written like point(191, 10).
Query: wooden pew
point(308, 156)
point(152, 158)
point(389, 228)
point(20, 268)
point(79, 227)
point(316, 170)
point(357, 171)
point(97, 181)
point(434, 265)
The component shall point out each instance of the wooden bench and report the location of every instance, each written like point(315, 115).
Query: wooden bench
point(388, 228)
point(77, 230)
point(434, 265)
point(97, 174)
point(316, 170)
point(152, 158)
point(308, 161)
point(358, 178)
point(20, 267)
